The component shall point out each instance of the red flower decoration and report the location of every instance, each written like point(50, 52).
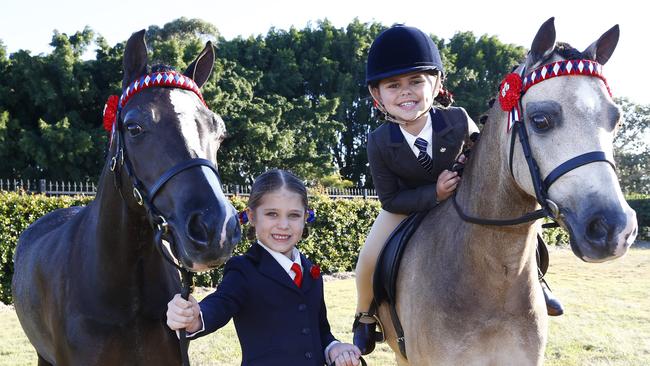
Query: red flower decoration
point(510, 91)
point(110, 110)
point(315, 271)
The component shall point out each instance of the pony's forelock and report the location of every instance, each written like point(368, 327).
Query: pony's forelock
point(161, 68)
point(568, 52)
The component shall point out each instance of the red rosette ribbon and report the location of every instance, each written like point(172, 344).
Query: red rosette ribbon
point(110, 110)
point(510, 91)
point(315, 272)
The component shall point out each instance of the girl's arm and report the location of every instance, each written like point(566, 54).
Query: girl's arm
point(232, 293)
point(215, 310)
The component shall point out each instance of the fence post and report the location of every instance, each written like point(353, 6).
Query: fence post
point(42, 186)
point(365, 193)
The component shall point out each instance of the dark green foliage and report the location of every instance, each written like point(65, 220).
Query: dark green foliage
point(641, 204)
point(631, 147)
point(476, 67)
point(291, 99)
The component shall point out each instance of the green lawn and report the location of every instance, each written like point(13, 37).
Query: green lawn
point(607, 320)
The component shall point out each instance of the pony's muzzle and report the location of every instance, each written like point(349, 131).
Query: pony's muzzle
point(208, 231)
point(606, 234)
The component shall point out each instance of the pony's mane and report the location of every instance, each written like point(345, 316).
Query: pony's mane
point(568, 52)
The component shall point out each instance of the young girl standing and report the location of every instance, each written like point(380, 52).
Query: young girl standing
point(273, 292)
point(409, 155)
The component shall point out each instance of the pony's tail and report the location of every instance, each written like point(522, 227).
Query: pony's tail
point(445, 98)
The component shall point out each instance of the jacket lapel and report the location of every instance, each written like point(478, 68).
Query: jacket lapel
point(404, 158)
point(269, 267)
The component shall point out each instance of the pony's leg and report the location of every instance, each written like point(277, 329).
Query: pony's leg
point(42, 362)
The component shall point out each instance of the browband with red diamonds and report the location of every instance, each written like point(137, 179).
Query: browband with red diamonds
point(171, 79)
point(562, 68)
point(513, 87)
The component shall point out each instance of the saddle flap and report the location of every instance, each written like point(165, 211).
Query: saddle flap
point(388, 262)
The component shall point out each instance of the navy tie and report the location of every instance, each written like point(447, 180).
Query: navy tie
point(423, 157)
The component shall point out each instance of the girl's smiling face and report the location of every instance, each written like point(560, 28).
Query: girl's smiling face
point(279, 220)
point(407, 97)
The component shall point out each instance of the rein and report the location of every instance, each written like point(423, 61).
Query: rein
point(144, 197)
point(511, 92)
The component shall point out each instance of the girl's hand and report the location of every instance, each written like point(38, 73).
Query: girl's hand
point(446, 184)
point(184, 314)
point(344, 354)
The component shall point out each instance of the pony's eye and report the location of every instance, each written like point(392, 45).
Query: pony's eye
point(134, 129)
point(541, 123)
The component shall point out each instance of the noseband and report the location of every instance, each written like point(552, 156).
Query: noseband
point(511, 92)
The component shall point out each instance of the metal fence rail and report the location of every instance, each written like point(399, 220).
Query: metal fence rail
point(58, 188)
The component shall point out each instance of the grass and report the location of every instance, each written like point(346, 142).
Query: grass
point(607, 319)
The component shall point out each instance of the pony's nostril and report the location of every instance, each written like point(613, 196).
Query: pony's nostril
point(197, 229)
point(597, 230)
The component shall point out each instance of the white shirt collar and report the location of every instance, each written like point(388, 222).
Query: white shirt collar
point(426, 133)
point(283, 260)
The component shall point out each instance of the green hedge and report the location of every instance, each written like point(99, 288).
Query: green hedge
point(17, 211)
point(641, 204)
point(336, 235)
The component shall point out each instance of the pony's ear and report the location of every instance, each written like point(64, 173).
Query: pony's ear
point(601, 50)
point(543, 44)
point(135, 58)
point(201, 68)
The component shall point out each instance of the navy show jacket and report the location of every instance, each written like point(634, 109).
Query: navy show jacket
point(277, 323)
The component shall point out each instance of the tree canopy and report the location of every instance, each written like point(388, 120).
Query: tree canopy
point(292, 98)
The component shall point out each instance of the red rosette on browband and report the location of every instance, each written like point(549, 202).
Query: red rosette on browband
point(510, 91)
point(110, 111)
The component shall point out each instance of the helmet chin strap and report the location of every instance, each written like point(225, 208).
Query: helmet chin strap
point(389, 117)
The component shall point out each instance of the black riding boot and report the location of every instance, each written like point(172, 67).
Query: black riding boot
point(553, 304)
point(364, 334)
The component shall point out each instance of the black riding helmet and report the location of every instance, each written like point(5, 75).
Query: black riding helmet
point(400, 50)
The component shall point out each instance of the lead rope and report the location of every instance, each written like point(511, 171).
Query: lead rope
point(186, 287)
point(187, 278)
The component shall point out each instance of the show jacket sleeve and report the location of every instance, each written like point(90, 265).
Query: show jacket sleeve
point(393, 198)
point(326, 334)
point(220, 306)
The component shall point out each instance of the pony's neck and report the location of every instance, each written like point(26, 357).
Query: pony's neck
point(489, 191)
point(124, 237)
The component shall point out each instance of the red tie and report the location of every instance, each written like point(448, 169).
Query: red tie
point(295, 267)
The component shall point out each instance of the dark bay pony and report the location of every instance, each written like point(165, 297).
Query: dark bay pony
point(468, 292)
point(90, 286)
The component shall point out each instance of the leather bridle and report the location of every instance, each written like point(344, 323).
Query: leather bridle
point(541, 186)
